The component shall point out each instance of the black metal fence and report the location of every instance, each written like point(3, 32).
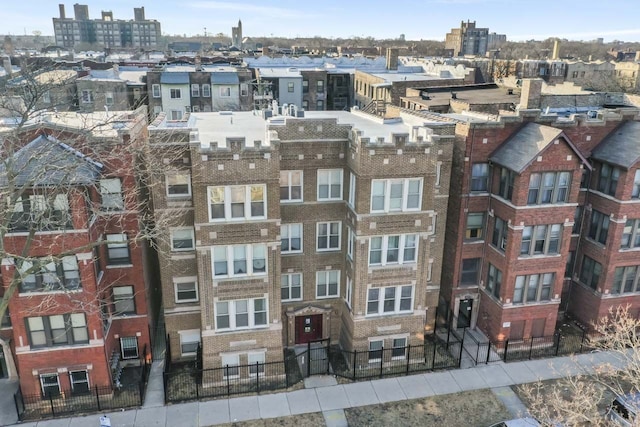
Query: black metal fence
point(94, 399)
point(534, 348)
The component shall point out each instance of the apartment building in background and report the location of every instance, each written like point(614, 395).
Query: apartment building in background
point(471, 40)
point(106, 31)
point(299, 227)
point(81, 311)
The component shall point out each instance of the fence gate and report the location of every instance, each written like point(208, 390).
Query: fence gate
point(314, 360)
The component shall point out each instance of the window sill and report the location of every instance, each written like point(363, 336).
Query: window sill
point(291, 253)
point(634, 249)
point(242, 277)
point(472, 241)
point(328, 297)
point(525, 257)
point(56, 292)
point(190, 301)
point(291, 202)
point(378, 315)
point(232, 331)
point(329, 250)
point(113, 266)
point(291, 300)
point(405, 265)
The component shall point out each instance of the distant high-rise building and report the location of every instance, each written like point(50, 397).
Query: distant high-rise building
point(106, 31)
point(470, 40)
point(236, 35)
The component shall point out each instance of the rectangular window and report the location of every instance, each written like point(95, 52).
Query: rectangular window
point(507, 177)
point(290, 186)
point(178, 185)
point(533, 288)
point(375, 351)
point(239, 260)
point(635, 192)
point(291, 238)
point(352, 190)
point(328, 236)
point(155, 91)
point(123, 300)
point(290, 87)
point(328, 284)
point(351, 242)
point(494, 281)
point(349, 292)
point(182, 239)
point(599, 226)
point(390, 300)
point(129, 347)
point(590, 272)
point(225, 91)
point(79, 381)
point(241, 314)
point(108, 99)
point(186, 289)
point(541, 240)
point(244, 89)
point(175, 93)
point(320, 86)
point(479, 177)
point(291, 287)
point(577, 220)
point(87, 96)
point(175, 115)
point(608, 179)
point(47, 274)
point(499, 237)
point(189, 342)
point(230, 363)
point(319, 105)
point(195, 90)
point(237, 202)
point(329, 184)
point(395, 195)
point(393, 250)
point(475, 226)
point(46, 212)
point(118, 249)
point(470, 270)
point(206, 90)
point(305, 86)
point(399, 349)
point(256, 363)
point(631, 234)
point(625, 279)
point(59, 329)
point(111, 194)
point(50, 385)
point(548, 187)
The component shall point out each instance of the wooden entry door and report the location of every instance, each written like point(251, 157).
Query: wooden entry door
point(308, 328)
point(464, 313)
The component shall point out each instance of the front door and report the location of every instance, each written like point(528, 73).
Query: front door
point(464, 313)
point(308, 328)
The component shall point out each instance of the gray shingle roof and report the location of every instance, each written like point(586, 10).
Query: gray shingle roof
point(47, 161)
point(174, 77)
point(524, 146)
point(224, 78)
point(621, 147)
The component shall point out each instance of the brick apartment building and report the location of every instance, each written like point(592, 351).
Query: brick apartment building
point(291, 229)
point(543, 218)
point(80, 311)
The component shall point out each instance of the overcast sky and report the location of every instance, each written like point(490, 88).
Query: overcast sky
point(416, 19)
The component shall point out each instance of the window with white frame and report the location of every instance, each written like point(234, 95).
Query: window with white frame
point(186, 289)
point(396, 195)
point(256, 363)
point(47, 274)
point(635, 192)
point(178, 185)
point(626, 280)
point(328, 236)
point(475, 226)
point(291, 186)
point(225, 91)
point(50, 384)
point(58, 329)
point(291, 238)
point(239, 260)
point(155, 91)
point(189, 342)
point(375, 350)
point(111, 194)
point(175, 93)
point(327, 284)
point(533, 288)
point(195, 90)
point(291, 286)
point(129, 347)
point(494, 281)
point(548, 187)
point(329, 184)
point(352, 190)
point(175, 115)
point(631, 234)
point(541, 239)
point(108, 99)
point(290, 87)
point(393, 250)
point(206, 90)
point(79, 381)
point(118, 249)
point(348, 292)
point(123, 300)
point(230, 363)
point(244, 89)
point(87, 96)
point(351, 242)
point(389, 300)
point(237, 202)
point(479, 177)
point(399, 349)
point(241, 314)
point(182, 239)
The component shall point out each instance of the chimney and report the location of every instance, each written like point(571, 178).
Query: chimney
point(556, 50)
point(530, 95)
point(62, 14)
point(392, 58)
point(637, 55)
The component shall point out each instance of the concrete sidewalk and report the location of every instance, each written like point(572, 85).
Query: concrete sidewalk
point(323, 394)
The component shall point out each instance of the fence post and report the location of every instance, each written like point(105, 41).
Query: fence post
point(435, 349)
point(506, 348)
point(488, 352)
point(408, 349)
point(558, 338)
point(381, 360)
point(328, 352)
point(53, 411)
point(226, 369)
point(15, 401)
point(258, 377)
point(98, 398)
point(355, 358)
point(195, 383)
point(584, 333)
point(461, 350)
point(309, 359)
point(530, 347)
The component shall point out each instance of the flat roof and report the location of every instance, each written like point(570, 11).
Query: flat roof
point(279, 72)
point(217, 127)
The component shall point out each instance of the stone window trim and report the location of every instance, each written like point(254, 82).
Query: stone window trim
point(185, 289)
point(291, 287)
point(241, 314)
point(396, 195)
point(327, 284)
point(474, 229)
point(232, 261)
point(328, 236)
point(182, 239)
point(329, 185)
point(390, 300)
point(237, 202)
point(291, 186)
point(178, 185)
point(533, 288)
point(291, 238)
point(541, 240)
point(190, 340)
point(549, 188)
point(391, 250)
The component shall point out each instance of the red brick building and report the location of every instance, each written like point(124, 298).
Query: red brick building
point(79, 312)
